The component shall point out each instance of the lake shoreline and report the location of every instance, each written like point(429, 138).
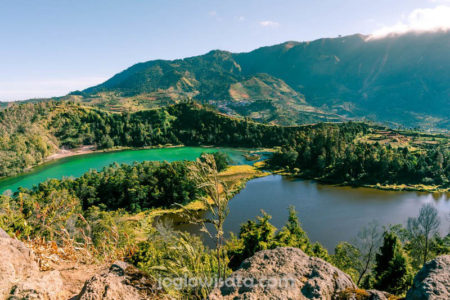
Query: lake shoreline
point(98, 159)
point(383, 187)
point(92, 149)
point(84, 150)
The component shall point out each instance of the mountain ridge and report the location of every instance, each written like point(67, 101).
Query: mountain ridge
point(398, 79)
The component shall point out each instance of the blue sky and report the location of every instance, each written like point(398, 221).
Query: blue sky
point(51, 47)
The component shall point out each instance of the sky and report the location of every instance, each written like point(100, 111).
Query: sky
point(51, 47)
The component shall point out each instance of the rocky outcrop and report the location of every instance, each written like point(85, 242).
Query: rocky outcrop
point(432, 281)
point(20, 277)
point(121, 281)
point(284, 273)
point(359, 294)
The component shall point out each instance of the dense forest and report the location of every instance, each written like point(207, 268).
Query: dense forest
point(31, 132)
point(24, 137)
point(185, 123)
point(131, 188)
point(330, 152)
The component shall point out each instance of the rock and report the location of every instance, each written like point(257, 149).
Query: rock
point(121, 281)
point(432, 281)
point(283, 273)
point(19, 273)
point(377, 295)
point(359, 294)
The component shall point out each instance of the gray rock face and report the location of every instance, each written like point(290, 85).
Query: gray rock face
point(432, 281)
point(121, 281)
point(283, 273)
point(20, 277)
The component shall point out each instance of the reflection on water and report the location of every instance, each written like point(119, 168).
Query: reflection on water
point(329, 214)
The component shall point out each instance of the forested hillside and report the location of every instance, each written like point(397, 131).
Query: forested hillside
point(351, 153)
point(400, 80)
point(24, 137)
point(31, 132)
point(331, 154)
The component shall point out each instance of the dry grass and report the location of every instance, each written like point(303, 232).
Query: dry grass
point(48, 253)
point(412, 187)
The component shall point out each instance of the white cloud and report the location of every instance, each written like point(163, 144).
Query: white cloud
point(269, 23)
point(21, 90)
point(212, 13)
point(422, 19)
point(241, 18)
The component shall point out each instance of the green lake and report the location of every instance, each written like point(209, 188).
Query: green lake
point(75, 166)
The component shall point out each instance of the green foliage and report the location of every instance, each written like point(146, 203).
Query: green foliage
point(31, 132)
point(221, 159)
point(24, 140)
point(133, 187)
point(325, 151)
point(110, 234)
point(171, 254)
point(262, 235)
point(58, 216)
point(184, 123)
point(440, 245)
point(217, 194)
point(345, 258)
point(392, 270)
point(292, 233)
point(41, 214)
point(330, 153)
point(253, 237)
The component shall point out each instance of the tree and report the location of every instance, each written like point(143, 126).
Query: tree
point(344, 258)
point(292, 234)
point(221, 159)
point(422, 229)
point(392, 269)
point(254, 236)
point(367, 242)
point(259, 235)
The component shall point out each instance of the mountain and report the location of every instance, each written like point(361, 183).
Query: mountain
point(403, 78)
point(399, 79)
point(215, 78)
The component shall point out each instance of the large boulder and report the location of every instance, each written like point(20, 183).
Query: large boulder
point(20, 277)
point(283, 273)
point(432, 281)
point(121, 281)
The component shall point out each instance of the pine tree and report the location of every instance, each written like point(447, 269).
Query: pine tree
point(292, 234)
point(392, 270)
